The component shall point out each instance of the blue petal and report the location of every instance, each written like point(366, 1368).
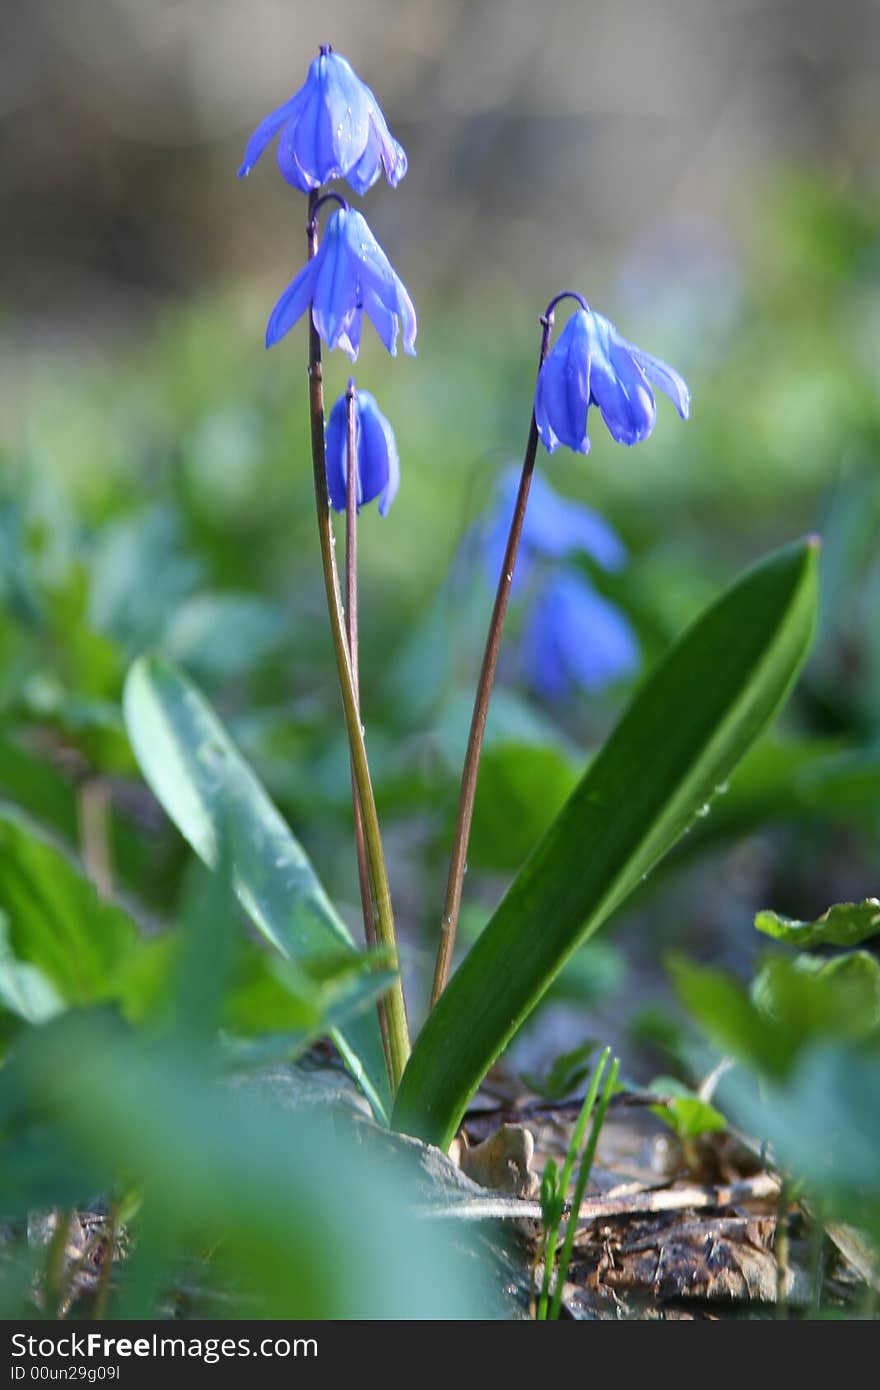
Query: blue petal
point(618, 385)
point(350, 333)
point(557, 527)
point(335, 294)
point(288, 163)
point(575, 637)
point(563, 393)
point(383, 320)
point(336, 449)
point(393, 154)
point(544, 667)
point(347, 104)
point(266, 129)
point(364, 174)
point(292, 304)
point(598, 640)
point(379, 283)
point(378, 461)
point(666, 378)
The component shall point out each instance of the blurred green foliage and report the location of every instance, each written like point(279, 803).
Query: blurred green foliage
point(157, 495)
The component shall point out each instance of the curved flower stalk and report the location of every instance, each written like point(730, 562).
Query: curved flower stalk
point(349, 276)
point(592, 365)
point(377, 465)
point(332, 128)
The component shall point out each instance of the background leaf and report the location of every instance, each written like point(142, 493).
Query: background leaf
point(845, 924)
point(210, 793)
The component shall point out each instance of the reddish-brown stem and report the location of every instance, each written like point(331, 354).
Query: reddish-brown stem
point(470, 772)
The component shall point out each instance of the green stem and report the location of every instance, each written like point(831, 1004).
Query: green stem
point(552, 1237)
point(398, 1030)
point(470, 771)
point(580, 1189)
point(368, 906)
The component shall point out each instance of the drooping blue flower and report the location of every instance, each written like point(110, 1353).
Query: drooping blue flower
point(349, 277)
point(376, 458)
point(575, 637)
point(554, 528)
point(592, 365)
point(333, 128)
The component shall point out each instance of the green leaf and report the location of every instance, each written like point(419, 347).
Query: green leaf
point(24, 989)
point(211, 794)
point(722, 1007)
point(810, 997)
point(522, 788)
point(845, 924)
point(684, 1111)
point(57, 922)
point(684, 732)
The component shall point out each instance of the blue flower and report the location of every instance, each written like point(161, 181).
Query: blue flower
point(332, 128)
point(592, 365)
point(378, 465)
point(573, 637)
point(555, 528)
point(349, 277)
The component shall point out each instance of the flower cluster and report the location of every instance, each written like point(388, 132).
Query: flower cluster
point(333, 128)
point(572, 636)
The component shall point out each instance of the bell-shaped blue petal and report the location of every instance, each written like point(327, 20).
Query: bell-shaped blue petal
point(554, 528)
point(376, 458)
point(592, 365)
point(574, 638)
point(350, 276)
point(562, 397)
point(332, 128)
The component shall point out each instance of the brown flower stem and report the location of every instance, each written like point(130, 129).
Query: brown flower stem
point(470, 772)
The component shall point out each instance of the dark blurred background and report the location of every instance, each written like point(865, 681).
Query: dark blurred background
point(705, 172)
point(543, 141)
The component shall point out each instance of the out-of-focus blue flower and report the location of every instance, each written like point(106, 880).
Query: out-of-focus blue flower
point(333, 128)
point(574, 637)
point(349, 277)
point(375, 451)
point(592, 365)
point(555, 528)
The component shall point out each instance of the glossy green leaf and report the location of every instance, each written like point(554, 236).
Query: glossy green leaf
point(210, 793)
point(684, 732)
point(845, 924)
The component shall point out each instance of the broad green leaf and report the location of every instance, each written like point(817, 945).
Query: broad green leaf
point(845, 924)
point(57, 922)
point(684, 732)
point(210, 793)
point(24, 990)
